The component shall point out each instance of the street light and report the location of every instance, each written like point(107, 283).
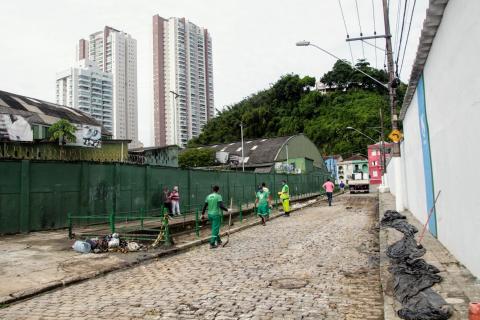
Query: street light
point(308, 43)
point(174, 104)
point(363, 134)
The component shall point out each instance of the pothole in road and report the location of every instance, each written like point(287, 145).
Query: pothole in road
point(289, 283)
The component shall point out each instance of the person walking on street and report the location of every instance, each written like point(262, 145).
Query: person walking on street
point(213, 204)
point(167, 203)
point(265, 189)
point(342, 186)
point(175, 198)
point(285, 197)
point(328, 186)
point(263, 203)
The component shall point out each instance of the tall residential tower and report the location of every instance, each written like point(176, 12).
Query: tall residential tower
point(89, 89)
point(182, 80)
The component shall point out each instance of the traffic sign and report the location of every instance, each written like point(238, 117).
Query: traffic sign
point(395, 135)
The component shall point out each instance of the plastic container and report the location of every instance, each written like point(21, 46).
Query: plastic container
point(82, 246)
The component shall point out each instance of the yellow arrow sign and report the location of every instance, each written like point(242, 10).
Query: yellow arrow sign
point(395, 135)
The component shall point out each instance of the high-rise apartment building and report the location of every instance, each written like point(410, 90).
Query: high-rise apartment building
point(182, 79)
point(89, 89)
point(115, 52)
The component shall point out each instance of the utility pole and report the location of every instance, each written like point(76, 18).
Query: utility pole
point(392, 80)
point(382, 142)
point(392, 85)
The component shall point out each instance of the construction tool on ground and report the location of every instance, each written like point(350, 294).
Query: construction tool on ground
point(428, 219)
point(164, 233)
point(229, 222)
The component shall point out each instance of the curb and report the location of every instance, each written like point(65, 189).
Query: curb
point(386, 280)
point(26, 294)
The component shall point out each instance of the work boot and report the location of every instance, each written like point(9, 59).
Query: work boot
point(287, 214)
point(213, 246)
point(219, 241)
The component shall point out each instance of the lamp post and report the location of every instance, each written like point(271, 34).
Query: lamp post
point(241, 133)
point(174, 104)
point(308, 43)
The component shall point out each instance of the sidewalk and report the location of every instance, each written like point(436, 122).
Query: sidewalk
point(41, 261)
point(459, 287)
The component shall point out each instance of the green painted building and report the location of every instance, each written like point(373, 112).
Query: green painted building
point(290, 154)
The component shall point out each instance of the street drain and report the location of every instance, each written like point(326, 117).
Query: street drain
point(289, 283)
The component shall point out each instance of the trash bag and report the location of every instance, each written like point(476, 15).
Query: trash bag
point(82, 246)
point(391, 215)
point(114, 243)
point(93, 243)
point(426, 305)
point(405, 249)
point(413, 277)
point(404, 227)
point(133, 246)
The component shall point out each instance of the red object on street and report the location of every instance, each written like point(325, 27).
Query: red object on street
point(474, 311)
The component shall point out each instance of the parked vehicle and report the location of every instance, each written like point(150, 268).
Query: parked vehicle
point(359, 183)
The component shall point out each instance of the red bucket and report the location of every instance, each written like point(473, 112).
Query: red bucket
point(474, 311)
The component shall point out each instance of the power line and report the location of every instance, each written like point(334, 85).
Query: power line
point(375, 33)
point(346, 31)
point(373, 45)
point(360, 26)
point(401, 36)
point(399, 9)
point(408, 35)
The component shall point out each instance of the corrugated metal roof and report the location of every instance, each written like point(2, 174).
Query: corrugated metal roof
point(42, 112)
point(258, 151)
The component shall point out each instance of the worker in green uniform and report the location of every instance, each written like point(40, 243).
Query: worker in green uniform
point(285, 197)
point(263, 202)
point(214, 203)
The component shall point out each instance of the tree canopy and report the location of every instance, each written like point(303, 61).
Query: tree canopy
point(290, 106)
point(194, 157)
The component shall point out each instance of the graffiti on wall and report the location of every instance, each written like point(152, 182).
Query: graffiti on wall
point(87, 136)
point(15, 128)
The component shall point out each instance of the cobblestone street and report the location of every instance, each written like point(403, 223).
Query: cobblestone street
point(321, 263)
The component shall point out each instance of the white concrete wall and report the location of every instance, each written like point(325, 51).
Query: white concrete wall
point(452, 95)
point(415, 199)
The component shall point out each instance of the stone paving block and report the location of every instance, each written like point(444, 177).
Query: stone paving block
point(324, 249)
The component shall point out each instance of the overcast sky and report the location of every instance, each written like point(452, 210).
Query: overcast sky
point(253, 40)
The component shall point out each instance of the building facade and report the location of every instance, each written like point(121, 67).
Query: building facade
point(375, 161)
point(182, 80)
point(349, 166)
point(440, 121)
point(89, 89)
point(331, 162)
point(115, 52)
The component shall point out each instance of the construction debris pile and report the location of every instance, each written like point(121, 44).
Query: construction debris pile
point(413, 276)
point(104, 244)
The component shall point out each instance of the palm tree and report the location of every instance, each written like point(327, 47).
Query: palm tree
point(62, 131)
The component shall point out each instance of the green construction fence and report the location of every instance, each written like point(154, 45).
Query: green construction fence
point(39, 195)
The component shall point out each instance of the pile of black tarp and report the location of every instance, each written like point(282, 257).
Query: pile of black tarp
point(413, 276)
